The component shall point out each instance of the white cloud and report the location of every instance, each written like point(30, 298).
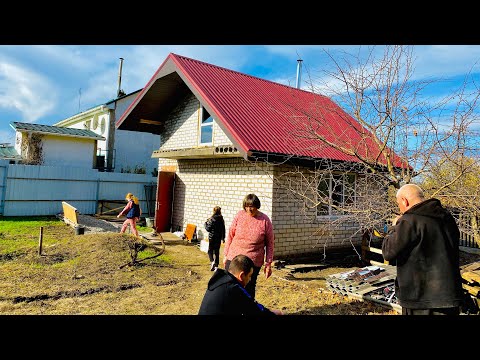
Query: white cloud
point(304, 50)
point(430, 61)
point(7, 136)
point(24, 91)
point(446, 60)
point(140, 64)
point(74, 56)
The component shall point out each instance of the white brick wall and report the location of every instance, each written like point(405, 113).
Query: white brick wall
point(182, 127)
point(298, 231)
point(203, 184)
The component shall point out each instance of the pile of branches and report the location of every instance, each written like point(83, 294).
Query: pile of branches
point(135, 245)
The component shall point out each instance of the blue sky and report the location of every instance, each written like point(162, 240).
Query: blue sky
point(45, 84)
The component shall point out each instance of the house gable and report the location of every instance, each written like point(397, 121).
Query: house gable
point(181, 134)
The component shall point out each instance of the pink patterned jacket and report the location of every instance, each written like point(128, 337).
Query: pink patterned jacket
point(250, 236)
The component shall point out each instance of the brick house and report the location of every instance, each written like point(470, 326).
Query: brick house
point(225, 134)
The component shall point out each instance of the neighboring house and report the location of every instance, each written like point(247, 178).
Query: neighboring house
point(8, 152)
point(225, 134)
point(122, 150)
point(55, 146)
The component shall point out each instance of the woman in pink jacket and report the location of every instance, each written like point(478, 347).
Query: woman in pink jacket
point(251, 234)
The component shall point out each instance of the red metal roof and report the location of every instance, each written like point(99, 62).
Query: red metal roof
point(264, 116)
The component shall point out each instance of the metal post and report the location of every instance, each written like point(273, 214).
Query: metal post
point(3, 188)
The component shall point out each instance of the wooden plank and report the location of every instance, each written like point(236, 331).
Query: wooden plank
point(384, 279)
point(298, 267)
point(472, 277)
point(373, 262)
point(70, 213)
point(366, 248)
point(375, 250)
point(472, 290)
point(471, 267)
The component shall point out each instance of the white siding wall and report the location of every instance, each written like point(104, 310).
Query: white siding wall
point(68, 151)
point(99, 120)
point(18, 142)
point(123, 104)
point(135, 149)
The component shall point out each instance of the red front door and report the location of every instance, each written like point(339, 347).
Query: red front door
point(163, 207)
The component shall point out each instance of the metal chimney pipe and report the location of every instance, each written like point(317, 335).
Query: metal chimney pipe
point(120, 78)
point(299, 73)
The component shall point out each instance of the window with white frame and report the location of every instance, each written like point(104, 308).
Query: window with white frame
point(206, 128)
point(335, 190)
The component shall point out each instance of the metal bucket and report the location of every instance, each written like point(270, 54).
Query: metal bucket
point(149, 221)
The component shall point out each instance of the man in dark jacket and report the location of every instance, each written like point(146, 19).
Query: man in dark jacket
point(226, 294)
point(424, 243)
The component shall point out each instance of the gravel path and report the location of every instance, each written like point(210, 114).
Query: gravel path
point(94, 225)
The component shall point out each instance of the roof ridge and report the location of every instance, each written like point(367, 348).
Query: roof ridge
point(53, 129)
point(247, 75)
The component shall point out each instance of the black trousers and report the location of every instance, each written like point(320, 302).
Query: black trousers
point(214, 251)
point(253, 281)
point(439, 311)
point(214, 256)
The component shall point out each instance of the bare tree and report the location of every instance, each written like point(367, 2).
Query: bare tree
point(389, 132)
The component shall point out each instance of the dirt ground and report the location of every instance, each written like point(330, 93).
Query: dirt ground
point(83, 274)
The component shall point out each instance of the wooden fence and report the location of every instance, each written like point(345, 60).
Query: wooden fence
point(468, 240)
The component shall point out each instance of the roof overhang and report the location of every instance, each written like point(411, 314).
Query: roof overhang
point(61, 135)
point(80, 116)
point(199, 153)
point(152, 105)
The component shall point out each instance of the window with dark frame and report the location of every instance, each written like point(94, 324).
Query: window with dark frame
point(206, 128)
point(336, 190)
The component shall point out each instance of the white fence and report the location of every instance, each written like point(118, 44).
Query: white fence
point(33, 190)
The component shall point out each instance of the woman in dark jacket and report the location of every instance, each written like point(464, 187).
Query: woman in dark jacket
point(215, 227)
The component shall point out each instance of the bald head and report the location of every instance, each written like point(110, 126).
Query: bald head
point(409, 195)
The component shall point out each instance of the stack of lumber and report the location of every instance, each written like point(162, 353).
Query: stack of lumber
point(372, 283)
point(471, 280)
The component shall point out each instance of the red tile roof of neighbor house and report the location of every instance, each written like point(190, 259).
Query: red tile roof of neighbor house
point(267, 117)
